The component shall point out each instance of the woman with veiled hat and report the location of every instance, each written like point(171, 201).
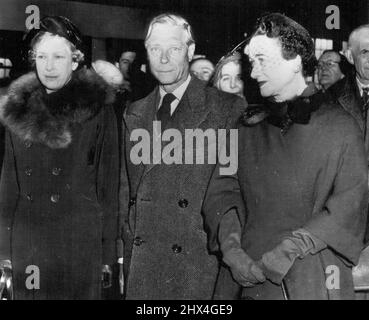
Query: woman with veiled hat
point(58, 190)
point(290, 224)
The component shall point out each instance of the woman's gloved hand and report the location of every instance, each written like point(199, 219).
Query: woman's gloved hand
point(107, 276)
point(6, 281)
point(244, 270)
point(277, 262)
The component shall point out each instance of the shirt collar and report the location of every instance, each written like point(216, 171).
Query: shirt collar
point(361, 86)
point(179, 92)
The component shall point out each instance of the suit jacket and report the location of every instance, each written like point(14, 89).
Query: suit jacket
point(165, 245)
point(348, 96)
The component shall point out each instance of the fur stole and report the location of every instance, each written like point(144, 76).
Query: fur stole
point(31, 114)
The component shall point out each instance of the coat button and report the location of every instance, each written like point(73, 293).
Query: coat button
point(183, 203)
point(55, 198)
point(29, 197)
point(132, 202)
point(176, 248)
point(28, 171)
point(28, 144)
point(138, 241)
point(56, 171)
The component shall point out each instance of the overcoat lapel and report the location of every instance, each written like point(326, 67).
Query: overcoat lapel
point(140, 117)
point(189, 114)
point(351, 103)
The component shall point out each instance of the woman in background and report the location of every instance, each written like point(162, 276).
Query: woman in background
point(227, 74)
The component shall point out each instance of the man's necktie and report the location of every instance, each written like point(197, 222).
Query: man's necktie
point(365, 99)
point(163, 113)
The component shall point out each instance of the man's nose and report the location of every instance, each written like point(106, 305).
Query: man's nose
point(164, 56)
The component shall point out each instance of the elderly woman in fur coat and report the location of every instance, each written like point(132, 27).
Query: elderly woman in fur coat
point(58, 191)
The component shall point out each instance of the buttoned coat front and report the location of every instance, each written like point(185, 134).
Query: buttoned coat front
point(165, 243)
point(59, 187)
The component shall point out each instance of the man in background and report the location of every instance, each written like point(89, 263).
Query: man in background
point(332, 67)
point(202, 68)
point(140, 84)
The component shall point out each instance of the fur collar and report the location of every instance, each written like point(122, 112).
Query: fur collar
point(31, 114)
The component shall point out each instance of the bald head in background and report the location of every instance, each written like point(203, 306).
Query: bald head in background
point(358, 52)
point(202, 68)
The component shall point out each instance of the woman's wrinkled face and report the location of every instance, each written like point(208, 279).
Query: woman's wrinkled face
point(230, 79)
point(54, 63)
point(275, 75)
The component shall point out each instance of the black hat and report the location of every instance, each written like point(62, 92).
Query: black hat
point(60, 26)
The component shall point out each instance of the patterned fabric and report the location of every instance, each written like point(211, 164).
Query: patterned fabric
point(163, 113)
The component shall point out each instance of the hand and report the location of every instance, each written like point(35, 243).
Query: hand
point(277, 262)
point(244, 270)
point(121, 279)
point(5, 264)
point(6, 281)
point(106, 276)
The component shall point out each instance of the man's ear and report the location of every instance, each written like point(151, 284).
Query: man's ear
point(297, 62)
point(74, 66)
point(348, 54)
point(191, 51)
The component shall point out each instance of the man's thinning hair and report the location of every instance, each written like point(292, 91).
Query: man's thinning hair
point(354, 33)
point(173, 20)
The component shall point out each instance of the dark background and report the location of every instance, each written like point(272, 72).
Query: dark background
point(218, 25)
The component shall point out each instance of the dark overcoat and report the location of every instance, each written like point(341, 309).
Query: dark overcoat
point(2, 133)
point(347, 94)
point(314, 176)
point(59, 186)
point(166, 255)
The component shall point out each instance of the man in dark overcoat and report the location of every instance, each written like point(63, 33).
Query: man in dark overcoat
point(165, 245)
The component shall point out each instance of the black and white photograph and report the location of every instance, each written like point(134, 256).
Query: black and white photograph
point(184, 154)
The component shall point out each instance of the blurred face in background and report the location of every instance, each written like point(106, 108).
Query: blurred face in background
point(169, 55)
point(125, 61)
point(329, 71)
point(203, 69)
point(230, 79)
point(54, 62)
